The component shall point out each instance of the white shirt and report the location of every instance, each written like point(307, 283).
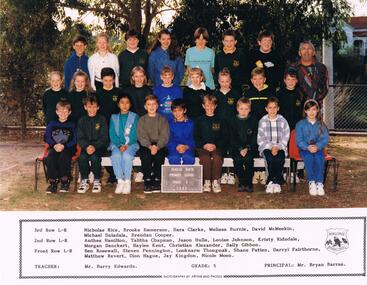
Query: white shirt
point(95, 64)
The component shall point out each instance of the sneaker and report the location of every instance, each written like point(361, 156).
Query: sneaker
point(139, 177)
point(312, 188)
point(224, 178)
point(97, 186)
point(270, 188)
point(127, 187)
point(231, 179)
point(156, 186)
point(148, 186)
point(277, 188)
point(52, 188)
point(216, 186)
point(83, 187)
point(241, 188)
point(111, 180)
point(255, 178)
point(262, 177)
point(207, 186)
point(64, 185)
point(320, 189)
point(249, 189)
point(120, 187)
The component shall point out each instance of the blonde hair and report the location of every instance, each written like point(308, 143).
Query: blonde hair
point(135, 70)
point(87, 87)
point(55, 72)
point(210, 98)
point(197, 70)
point(103, 35)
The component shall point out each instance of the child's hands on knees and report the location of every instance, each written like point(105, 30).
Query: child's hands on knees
point(274, 150)
point(181, 148)
point(244, 152)
point(209, 147)
point(312, 148)
point(59, 147)
point(123, 147)
point(153, 149)
point(90, 149)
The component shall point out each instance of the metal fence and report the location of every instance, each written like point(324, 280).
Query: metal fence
point(345, 108)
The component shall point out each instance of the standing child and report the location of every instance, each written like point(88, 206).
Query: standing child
point(291, 98)
point(124, 144)
point(60, 135)
point(267, 58)
point(79, 89)
point(311, 138)
point(232, 58)
point(181, 145)
point(272, 138)
point(167, 92)
point(153, 135)
point(194, 93)
point(258, 93)
point(210, 138)
point(52, 96)
point(138, 90)
point(243, 144)
point(92, 139)
point(201, 56)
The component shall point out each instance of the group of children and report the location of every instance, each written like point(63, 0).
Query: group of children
point(168, 121)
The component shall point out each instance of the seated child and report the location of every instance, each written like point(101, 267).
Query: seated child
point(52, 96)
point(258, 93)
point(93, 140)
point(194, 93)
point(167, 92)
point(60, 135)
point(124, 143)
point(272, 138)
point(311, 138)
point(181, 145)
point(210, 137)
point(153, 136)
point(243, 144)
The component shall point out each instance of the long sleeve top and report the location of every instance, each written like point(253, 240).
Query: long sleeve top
point(153, 130)
point(243, 133)
point(210, 130)
point(165, 96)
point(73, 64)
point(118, 139)
point(49, 101)
point(181, 133)
point(159, 58)
point(273, 133)
point(61, 133)
point(92, 131)
point(127, 61)
point(97, 62)
point(308, 133)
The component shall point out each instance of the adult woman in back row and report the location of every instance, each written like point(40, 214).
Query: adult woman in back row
point(165, 52)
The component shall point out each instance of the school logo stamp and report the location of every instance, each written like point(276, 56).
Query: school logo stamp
point(336, 240)
point(236, 63)
point(114, 98)
point(98, 126)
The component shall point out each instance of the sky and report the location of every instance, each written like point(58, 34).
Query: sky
point(359, 9)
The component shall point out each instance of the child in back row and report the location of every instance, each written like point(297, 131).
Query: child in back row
point(167, 92)
point(93, 140)
point(153, 136)
point(272, 138)
point(52, 96)
point(210, 137)
point(181, 145)
point(311, 138)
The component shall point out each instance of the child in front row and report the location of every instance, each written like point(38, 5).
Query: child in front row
point(153, 135)
point(167, 92)
point(210, 137)
point(272, 138)
point(243, 144)
point(181, 145)
point(311, 138)
point(60, 135)
point(124, 143)
point(93, 140)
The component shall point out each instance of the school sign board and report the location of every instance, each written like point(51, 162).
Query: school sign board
point(182, 179)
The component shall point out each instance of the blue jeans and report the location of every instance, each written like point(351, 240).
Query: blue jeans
point(314, 164)
point(122, 162)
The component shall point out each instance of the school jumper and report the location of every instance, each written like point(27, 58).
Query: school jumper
point(72, 64)
point(127, 61)
point(137, 96)
point(165, 96)
point(194, 100)
point(291, 105)
point(49, 100)
point(258, 100)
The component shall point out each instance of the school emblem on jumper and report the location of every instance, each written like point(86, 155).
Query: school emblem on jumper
point(249, 131)
point(336, 240)
point(215, 126)
point(98, 126)
point(230, 101)
point(114, 98)
point(298, 103)
point(236, 63)
point(259, 64)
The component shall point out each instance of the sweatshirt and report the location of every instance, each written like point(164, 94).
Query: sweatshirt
point(108, 102)
point(61, 133)
point(97, 62)
point(243, 133)
point(291, 105)
point(153, 130)
point(49, 100)
point(165, 96)
point(137, 96)
point(181, 133)
point(308, 133)
point(258, 100)
point(73, 64)
point(194, 100)
point(226, 108)
point(127, 61)
point(77, 107)
point(92, 131)
point(118, 139)
point(210, 130)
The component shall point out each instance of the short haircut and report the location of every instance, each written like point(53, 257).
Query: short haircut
point(258, 71)
point(243, 100)
point(135, 70)
point(91, 99)
point(201, 31)
point(55, 72)
point(265, 34)
point(290, 71)
point(224, 72)
point(197, 70)
point(150, 97)
point(178, 103)
point(167, 69)
point(108, 71)
point(210, 98)
point(272, 100)
point(132, 34)
point(80, 38)
point(306, 42)
point(63, 104)
point(123, 95)
point(229, 33)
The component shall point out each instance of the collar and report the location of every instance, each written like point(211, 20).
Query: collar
point(132, 51)
point(202, 86)
point(227, 51)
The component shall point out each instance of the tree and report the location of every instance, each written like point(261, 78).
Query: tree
point(120, 16)
point(28, 33)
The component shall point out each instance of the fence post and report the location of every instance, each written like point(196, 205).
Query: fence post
point(327, 59)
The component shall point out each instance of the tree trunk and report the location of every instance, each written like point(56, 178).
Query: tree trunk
point(136, 16)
